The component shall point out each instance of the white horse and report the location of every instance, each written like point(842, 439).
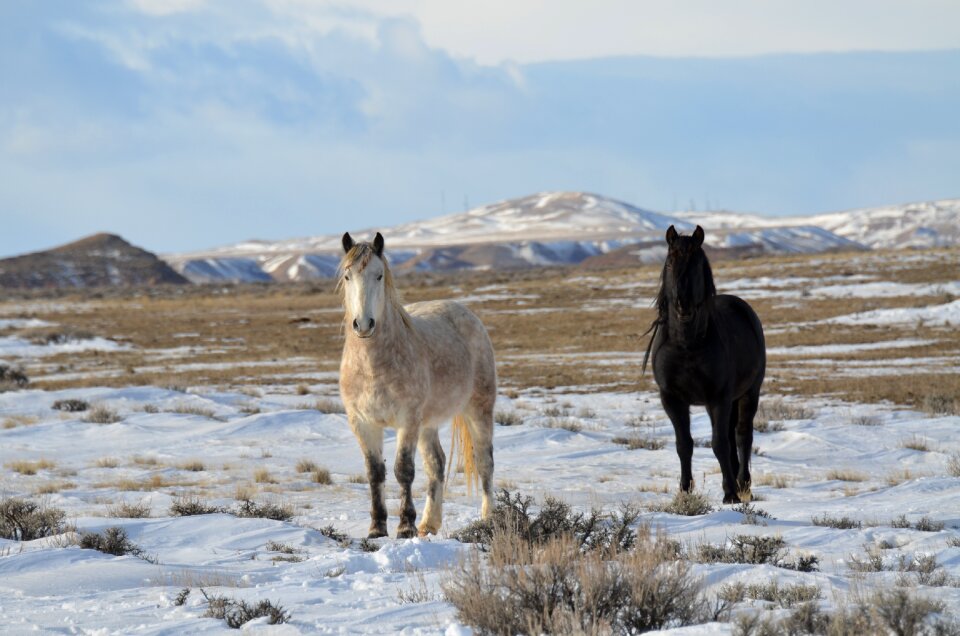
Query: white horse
point(413, 368)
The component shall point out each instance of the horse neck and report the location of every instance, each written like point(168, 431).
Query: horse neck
point(688, 332)
point(390, 344)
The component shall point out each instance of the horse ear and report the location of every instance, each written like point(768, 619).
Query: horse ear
point(698, 236)
point(671, 235)
point(347, 242)
point(378, 244)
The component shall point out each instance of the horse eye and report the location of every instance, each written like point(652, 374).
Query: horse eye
point(346, 277)
point(380, 277)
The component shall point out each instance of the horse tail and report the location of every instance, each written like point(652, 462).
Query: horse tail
point(646, 356)
point(461, 447)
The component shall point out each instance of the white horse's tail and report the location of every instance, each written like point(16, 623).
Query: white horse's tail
point(461, 447)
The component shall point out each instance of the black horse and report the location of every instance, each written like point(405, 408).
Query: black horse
point(707, 350)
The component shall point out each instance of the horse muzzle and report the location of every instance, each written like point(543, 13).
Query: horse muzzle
point(364, 328)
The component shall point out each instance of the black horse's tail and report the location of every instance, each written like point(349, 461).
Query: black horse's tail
point(654, 327)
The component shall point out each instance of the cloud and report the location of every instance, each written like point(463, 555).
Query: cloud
point(183, 125)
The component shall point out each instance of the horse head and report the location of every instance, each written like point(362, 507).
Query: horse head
point(364, 284)
point(687, 281)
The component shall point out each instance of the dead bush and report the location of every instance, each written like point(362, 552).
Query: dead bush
point(635, 441)
point(561, 590)
point(264, 510)
point(953, 465)
point(508, 418)
point(12, 378)
point(113, 541)
point(321, 476)
point(941, 404)
point(190, 506)
point(238, 612)
point(306, 466)
point(23, 520)
point(71, 405)
point(102, 414)
point(743, 548)
point(332, 533)
point(785, 596)
point(688, 504)
point(328, 405)
point(140, 510)
point(840, 523)
point(591, 531)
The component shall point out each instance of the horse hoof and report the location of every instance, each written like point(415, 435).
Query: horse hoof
point(406, 533)
point(377, 533)
point(424, 531)
point(731, 499)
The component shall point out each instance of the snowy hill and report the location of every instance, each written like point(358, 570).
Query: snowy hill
point(557, 228)
point(94, 261)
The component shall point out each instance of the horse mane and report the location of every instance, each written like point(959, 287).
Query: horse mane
point(661, 303)
point(360, 256)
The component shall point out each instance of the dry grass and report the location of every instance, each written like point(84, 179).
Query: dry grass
point(306, 466)
point(634, 442)
point(106, 462)
point(194, 465)
point(688, 504)
point(183, 408)
point(321, 476)
point(263, 476)
point(102, 414)
point(915, 442)
point(773, 480)
point(30, 468)
point(52, 487)
point(843, 474)
point(521, 340)
point(953, 465)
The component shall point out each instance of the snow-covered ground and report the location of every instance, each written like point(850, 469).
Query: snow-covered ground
point(838, 459)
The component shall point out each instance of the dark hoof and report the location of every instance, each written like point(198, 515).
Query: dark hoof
point(376, 533)
point(407, 532)
point(731, 499)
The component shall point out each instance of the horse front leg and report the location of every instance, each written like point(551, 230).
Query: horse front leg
point(404, 470)
point(720, 421)
point(433, 462)
point(679, 413)
point(370, 437)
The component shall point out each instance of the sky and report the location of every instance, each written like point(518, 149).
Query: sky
point(189, 124)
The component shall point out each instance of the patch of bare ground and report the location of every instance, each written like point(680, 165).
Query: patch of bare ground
point(546, 324)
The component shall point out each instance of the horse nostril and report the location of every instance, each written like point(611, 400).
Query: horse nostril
point(356, 325)
point(372, 323)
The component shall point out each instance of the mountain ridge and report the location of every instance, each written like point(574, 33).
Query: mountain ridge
point(560, 227)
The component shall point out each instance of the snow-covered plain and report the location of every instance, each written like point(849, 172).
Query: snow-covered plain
point(336, 589)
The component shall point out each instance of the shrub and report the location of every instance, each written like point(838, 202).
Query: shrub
point(30, 468)
point(915, 442)
point(778, 410)
point(512, 516)
point(321, 476)
point(926, 524)
point(192, 409)
point(953, 464)
point(563, 590)
point(752, 516)
point(306, 466)
point(71, 405)
point(190, 506)
point(238, 612)
point(263, 476)
point(840, 523)
point(113, 541)
point(194, 465)
point(264, 510)
point(845, 475)
point(12, 378)
point(566, 423)
point(508, 418)
point(332, 533)
point(635, 441)
point(743, 548)
point(688, 504)
point(101, 414)
point(941, 404)
point(139, 510)
point(786, 596)
point(23, 520)
point(106, 462)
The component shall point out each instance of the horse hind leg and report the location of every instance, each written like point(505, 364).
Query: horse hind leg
point(433, 459)
point(747, 410)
